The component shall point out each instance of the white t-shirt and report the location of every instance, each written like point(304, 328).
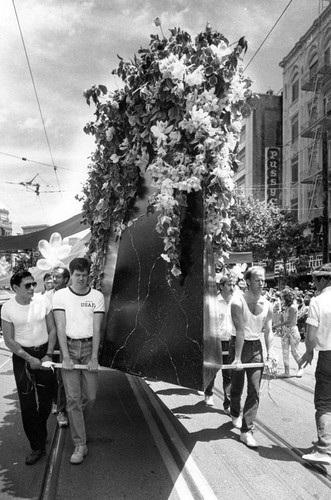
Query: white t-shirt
point(226, 326)
point(319, 315)
point(79, 310)
point(30, 328)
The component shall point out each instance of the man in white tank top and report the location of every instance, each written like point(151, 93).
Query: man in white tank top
point(251, 315)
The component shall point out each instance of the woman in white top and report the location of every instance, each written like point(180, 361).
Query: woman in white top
point(290, 334)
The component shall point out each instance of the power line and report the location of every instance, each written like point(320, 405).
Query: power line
point(36, 94)
point(23, 158)
point(255, 53)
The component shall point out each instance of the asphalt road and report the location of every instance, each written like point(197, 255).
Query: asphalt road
point(151, 440)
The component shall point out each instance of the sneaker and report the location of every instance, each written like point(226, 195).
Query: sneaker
point(54, 408)
point(78, 455)
point(34, 456)
point(318, 458)
point(237, 421)
point(248, 439)
point(299, 373)
point(283, 375)
point(209, 400)
point(62, 419)
point(227, 411)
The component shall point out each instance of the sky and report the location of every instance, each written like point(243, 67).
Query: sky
point(72, 45)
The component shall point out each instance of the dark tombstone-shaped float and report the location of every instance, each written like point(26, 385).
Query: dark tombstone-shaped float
point(157, 327)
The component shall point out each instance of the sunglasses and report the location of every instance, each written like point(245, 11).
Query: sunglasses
point(30, 285)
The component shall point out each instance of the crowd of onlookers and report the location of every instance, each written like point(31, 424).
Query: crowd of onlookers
point(302, 299)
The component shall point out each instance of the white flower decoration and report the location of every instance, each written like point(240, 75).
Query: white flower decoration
point(53, 251)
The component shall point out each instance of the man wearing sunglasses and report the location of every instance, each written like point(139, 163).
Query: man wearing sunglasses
point(29, 332)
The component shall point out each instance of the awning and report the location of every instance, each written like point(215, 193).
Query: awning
point(29, 241)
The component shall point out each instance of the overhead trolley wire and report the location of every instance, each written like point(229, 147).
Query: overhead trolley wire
point(265, 39)
point(23, 158)
point(36, 94)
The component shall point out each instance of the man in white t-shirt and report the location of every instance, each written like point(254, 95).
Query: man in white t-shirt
point(251, 316)
point(226, 289)
point(78, 311)
point(319, 338)
point(29, 332)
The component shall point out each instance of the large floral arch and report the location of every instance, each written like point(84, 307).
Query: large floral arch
point(178, 115)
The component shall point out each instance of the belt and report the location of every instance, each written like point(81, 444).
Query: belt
point(36, 348)
point(86, 339)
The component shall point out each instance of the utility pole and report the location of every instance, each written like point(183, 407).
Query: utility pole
point(325, 191)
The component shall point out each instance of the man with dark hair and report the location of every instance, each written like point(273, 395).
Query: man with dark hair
point(319, 337)
point(78, 311)
point(48, 282)
point(29, 332)
point(61, 277)
point(226, 288)
point(251, 313)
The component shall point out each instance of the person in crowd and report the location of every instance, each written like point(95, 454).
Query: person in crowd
point(61, 276)
point(319, 338)
point(251, 315)
point(48, 282)
point(78, 311)
point(276, 308)
point(302, 317)
point(290, 333)
point(29, 332)
point(226, 287)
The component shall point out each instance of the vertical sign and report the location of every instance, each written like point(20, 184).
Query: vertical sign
point(272, 175)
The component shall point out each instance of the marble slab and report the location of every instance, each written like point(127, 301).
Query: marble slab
point(157, 327)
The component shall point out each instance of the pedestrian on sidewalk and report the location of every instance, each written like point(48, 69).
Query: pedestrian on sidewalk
point(60, 276)
point(319, 337)
point(290, 335)
point(226, 289)
point(78, 311)
point(29, 332)
point(251, 315)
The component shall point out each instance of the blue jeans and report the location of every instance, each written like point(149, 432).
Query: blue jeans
point(81, 389)
point(322, 401)
point(226, 377)
point(35, 391)
point(251, 353)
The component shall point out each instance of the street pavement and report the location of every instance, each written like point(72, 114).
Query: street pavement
point(152, 440)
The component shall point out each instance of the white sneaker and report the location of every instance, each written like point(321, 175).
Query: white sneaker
point(248, 439)
point(237, 421)
point(78, 455)
point(299, 373)
point(54, 408)
point(209, 400)
point(318, 458)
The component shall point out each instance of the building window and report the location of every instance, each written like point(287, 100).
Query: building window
point(294, 206)
point(327, 58)
point(295, 127)
point(241, 159)
point(295, 88)
point(313, 68)
point(243, 134)
point(295, 169)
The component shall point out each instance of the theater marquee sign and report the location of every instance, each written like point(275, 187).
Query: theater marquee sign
point(272, 175)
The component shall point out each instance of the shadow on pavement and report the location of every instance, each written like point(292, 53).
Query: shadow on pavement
point(16, 479)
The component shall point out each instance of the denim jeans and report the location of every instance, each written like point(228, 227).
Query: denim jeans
point(290, 338)
point(226, 377)
point(251, 353)
point(80, 388)
point(323, 401)
point(35, 390)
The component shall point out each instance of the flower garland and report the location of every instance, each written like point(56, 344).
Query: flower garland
point(178, 115)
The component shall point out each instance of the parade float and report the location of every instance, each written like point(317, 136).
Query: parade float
point(159, 187)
